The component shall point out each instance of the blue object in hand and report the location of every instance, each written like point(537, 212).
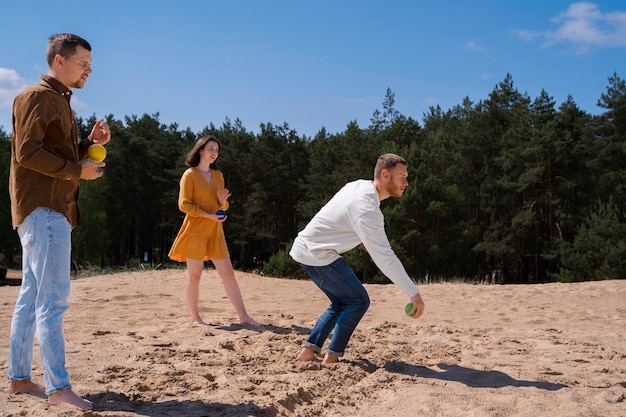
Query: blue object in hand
point(221, 214)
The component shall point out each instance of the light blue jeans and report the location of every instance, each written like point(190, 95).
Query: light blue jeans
point(348, 303)
point(43, 298)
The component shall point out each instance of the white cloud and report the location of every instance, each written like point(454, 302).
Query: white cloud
point(527, 35)
point(10, 85)
point(78, 104)
point(472, 46)
point(583, 26)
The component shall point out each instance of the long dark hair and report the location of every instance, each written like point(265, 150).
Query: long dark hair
point(193, 157)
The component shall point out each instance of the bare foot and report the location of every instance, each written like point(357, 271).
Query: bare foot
point(328, 359)
point(250, 321)
point(307, 354)
point(69, 398)
point(199, 322)
point(26, 387)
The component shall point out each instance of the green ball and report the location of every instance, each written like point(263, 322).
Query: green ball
point(408, 309)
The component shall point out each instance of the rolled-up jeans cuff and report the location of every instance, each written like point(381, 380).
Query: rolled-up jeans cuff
point(312, 346)
point(332, 352)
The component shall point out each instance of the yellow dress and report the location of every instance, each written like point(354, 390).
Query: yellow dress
point(199, 237)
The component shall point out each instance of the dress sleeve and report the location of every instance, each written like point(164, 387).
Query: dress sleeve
point(185, 196)
point(220, 185)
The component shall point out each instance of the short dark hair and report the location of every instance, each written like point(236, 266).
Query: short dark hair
point(64, 44)
point(387, 161)
point(193, 157)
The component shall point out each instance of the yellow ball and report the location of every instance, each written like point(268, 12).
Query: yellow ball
point(96, 152)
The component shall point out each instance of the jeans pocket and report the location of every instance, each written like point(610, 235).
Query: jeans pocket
point(26, 232)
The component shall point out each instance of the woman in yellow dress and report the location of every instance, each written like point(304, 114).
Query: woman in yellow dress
point(201, 237)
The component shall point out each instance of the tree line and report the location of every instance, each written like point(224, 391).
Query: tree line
point(510, 183)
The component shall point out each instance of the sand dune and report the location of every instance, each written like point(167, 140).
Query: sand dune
point(515, 350)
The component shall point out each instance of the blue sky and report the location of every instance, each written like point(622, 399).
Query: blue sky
point(313, 64)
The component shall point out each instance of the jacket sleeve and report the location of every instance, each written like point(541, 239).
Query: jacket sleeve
point(33, 113)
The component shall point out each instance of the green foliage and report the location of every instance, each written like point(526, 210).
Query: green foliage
point(508, 183)
point(281, 265)
point(599, 250)
point(9, 241)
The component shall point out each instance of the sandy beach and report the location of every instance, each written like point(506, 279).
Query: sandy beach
point(554, 350)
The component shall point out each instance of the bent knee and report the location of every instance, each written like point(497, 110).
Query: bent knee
point(364, 301)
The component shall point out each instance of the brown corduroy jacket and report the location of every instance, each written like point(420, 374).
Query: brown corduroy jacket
point(45, 152)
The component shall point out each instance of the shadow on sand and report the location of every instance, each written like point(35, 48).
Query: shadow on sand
point(11, 282)
point(265, 328)
point(468, 376)
point(113, 401)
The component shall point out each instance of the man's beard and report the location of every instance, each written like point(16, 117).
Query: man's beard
point(80, 83)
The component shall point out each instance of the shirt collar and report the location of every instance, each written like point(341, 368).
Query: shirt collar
point(57, 86)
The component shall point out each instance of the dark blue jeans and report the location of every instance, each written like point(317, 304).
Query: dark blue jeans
point(348, 303)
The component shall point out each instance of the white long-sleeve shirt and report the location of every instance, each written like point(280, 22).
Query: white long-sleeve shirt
point(351, 217)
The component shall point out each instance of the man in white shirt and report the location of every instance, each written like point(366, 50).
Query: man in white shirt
point(350, 218)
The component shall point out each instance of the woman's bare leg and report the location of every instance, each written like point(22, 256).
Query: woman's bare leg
point(194, 272)
point(225, 270)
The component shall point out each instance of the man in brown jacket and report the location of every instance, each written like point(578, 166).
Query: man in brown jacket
point(45, 170)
